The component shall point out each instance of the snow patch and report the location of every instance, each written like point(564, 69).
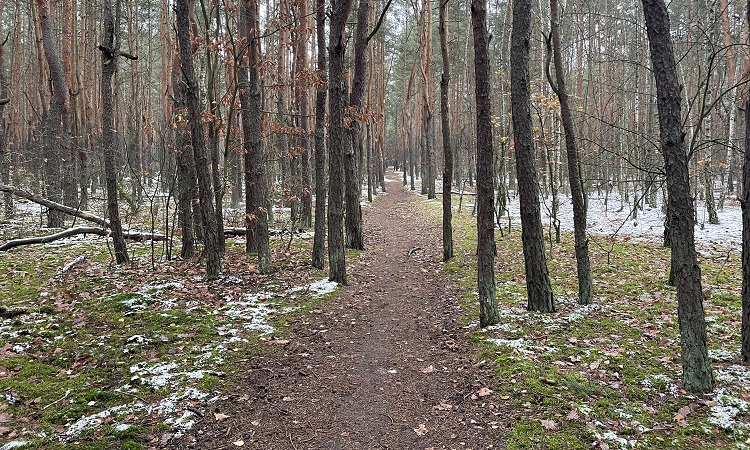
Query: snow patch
point(726, 410)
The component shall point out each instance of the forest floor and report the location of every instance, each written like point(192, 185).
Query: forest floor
point(150, 355)
point(387, 363)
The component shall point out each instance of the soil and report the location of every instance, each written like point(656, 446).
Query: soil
point(387, 364)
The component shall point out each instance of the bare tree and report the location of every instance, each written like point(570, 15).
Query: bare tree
point(488, 311)
point(538, 286)
point(445, 124)
point(696, 369)
point(577, 192)
point(211, 245)
point(318, 253)
point(110, 49)
point(337, 101)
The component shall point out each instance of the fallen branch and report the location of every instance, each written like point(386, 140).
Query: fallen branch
point(132, 235)
point(54, 205)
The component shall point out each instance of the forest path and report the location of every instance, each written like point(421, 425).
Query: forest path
point(385, 365)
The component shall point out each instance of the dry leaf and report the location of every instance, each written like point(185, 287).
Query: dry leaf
point(220, 416)
point(428, 369)
point(548, 424)
point(421, 430)
point(443, 406)
point(573, 415)
point(239, 443)
point(5, 417)
point(484, 392)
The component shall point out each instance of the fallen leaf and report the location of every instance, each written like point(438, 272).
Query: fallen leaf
point(239, 443)
point(573, 415)
point(421, 430)
point(443, 406)
point(255, 423)
point(548, 424)
point(220, 416)
point(484, 392)
point(428, 369)
point(5, 417)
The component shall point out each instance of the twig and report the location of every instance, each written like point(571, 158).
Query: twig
point(66, 394)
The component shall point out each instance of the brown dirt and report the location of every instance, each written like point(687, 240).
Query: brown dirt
point(385, 365)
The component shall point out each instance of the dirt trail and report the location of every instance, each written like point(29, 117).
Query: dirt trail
point(386, 365)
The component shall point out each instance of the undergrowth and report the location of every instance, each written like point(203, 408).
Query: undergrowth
point(605, 375)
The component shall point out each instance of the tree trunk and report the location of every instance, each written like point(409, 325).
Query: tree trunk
point(446, 129)
point(745, 201)
point(540, 296)
point(574, 170)
point(256, 184)
point(187, 190)
point(355, 151)
point(4, 154)
point(55, 135)
point(488, 311)
point(302, 98)
point(211, 245)
point(337, 103)
point(110, 54)
point(696, 369)
point(318, 253)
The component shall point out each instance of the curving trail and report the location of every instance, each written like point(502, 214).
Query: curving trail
point(385, 365)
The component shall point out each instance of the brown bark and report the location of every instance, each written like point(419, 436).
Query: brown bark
point(696, 369)
point(745, 202)
point(302, 98)
point(256, 187)
point(488, 310)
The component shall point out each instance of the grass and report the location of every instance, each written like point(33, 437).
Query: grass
point(606, 375)
point(126, 342)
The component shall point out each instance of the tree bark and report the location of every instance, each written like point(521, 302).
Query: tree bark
point(745, 202)
point(211, 245)
point(696, 369)
point(577, 194)
point(354, 152)
point(256, 185)
point(318, 253)
point(302, 98)
point(187, 190)
point(445, 124)
point(337, 102)
point(538, 286)
point(488, 311)
point(135, 236)
point(55, 137)
point(110, 51)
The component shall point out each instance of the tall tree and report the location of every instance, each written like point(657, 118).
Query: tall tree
point(256, 185)
point(488, 311)
point(110, 49)
point(318, 253)
point(56, 124)
point(577, 192)
point(696, 369)
point(745, 202)
point(211, 244)
point(340, 10)
point(302, 99)
point(4, 153)
point(538, 286)
point(353, 152)
point(445, 124)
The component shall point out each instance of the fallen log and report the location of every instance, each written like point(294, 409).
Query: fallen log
point(85, 215)
point(132, 235)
